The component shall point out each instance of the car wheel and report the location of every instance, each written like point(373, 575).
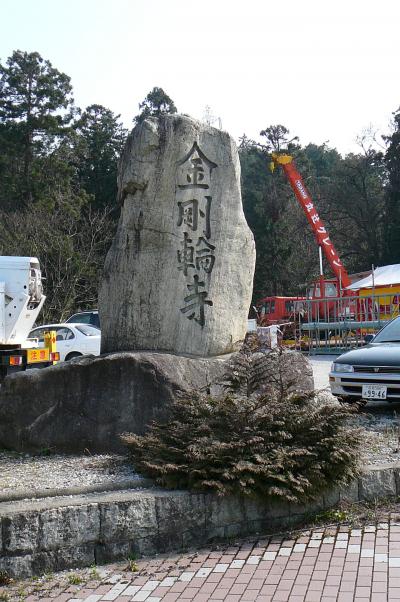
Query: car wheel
point(71, 356)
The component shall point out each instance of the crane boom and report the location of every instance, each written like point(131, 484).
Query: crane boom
point(316, 223)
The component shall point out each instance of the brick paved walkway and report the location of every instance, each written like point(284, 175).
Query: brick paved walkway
point(330, 564)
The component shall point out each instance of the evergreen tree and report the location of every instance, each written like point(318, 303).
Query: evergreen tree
point(101, 139)
point(35, 107)
point(156, 103)
point(354, 209)
point(392, 198)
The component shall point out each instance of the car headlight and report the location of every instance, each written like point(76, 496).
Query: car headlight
point(342, 367)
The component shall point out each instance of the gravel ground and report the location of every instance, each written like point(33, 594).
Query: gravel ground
point(25, 472)
point(21, 472)
point(381, 428)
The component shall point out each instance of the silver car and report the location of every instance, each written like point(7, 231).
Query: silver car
point(372, 372)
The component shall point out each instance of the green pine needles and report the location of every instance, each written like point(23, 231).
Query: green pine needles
point(281, 445)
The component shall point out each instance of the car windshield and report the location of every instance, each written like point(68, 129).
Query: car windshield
point(390, 333)
point(89, 331)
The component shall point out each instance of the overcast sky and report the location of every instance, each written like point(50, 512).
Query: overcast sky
point(326, 69)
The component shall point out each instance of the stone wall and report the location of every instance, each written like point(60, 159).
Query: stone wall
point(58, 533)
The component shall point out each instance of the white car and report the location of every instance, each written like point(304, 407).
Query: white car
point(72, 340)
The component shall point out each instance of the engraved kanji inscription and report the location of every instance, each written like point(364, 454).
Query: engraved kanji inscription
point(192, 211)
point(189, 213)
point(195, 169)
point(186, 255)
point(196, 254)
point(205, 255)
point(196, 302)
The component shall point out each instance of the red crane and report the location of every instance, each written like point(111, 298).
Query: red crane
point(320, 232)
point(276, 309)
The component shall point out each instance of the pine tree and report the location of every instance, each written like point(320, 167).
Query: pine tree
point(35, 107)
point(101, 140)
point(156, 103)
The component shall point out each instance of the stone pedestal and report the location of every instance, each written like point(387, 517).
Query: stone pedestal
point(88, 402)
point(85, 404)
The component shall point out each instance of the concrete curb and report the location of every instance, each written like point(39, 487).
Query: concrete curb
point(55, 533)
point(25, 494)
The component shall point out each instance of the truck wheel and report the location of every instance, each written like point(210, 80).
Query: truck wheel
point(71, 356)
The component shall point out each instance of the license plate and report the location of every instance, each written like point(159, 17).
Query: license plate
point(374, 391)
point(38, 355)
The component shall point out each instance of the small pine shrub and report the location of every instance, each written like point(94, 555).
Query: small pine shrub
point(285, 446)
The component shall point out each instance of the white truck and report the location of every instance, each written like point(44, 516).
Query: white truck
point(21, 299)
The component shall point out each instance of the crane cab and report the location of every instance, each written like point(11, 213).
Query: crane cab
point(323, 289)
point(275, 310)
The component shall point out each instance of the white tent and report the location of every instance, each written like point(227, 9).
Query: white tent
point(384, 276)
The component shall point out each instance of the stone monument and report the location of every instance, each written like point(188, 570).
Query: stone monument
point(179, 275)
point(173, 302)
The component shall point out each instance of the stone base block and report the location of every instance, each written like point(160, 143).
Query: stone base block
point(87, 403)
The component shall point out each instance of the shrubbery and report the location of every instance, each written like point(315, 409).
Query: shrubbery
point(284, 446)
